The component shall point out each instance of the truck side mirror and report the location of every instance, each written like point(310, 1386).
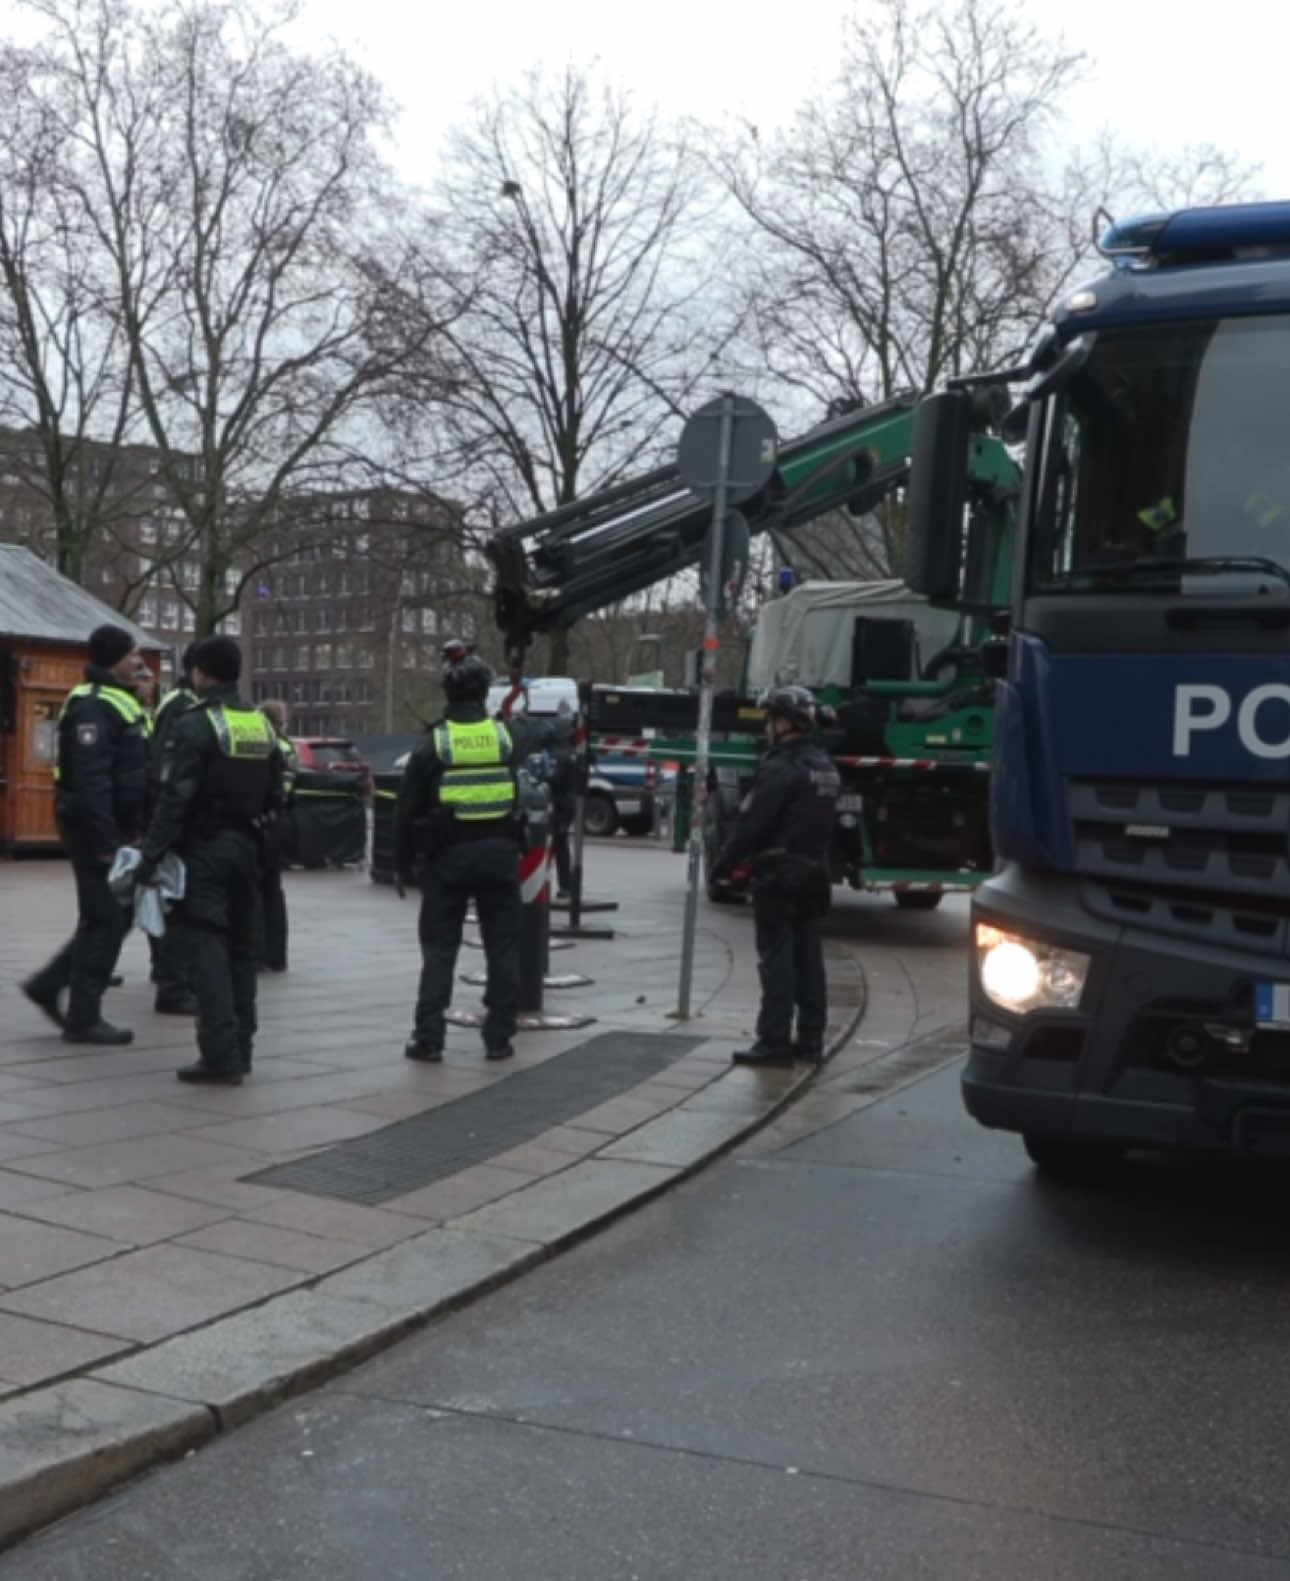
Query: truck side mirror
point(943, 426)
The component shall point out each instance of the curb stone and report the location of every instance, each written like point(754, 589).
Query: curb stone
point(172, 1397)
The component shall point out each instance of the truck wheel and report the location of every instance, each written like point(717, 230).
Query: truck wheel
point(918, 899)
point(1079, 1160)
point(600, 816)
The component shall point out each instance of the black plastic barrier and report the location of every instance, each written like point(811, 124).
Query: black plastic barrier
point(327, 823)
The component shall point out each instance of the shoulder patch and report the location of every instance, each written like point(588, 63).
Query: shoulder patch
point(87, 734)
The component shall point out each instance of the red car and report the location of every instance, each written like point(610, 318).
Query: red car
point(332, 755)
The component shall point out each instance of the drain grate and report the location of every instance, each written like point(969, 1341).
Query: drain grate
point(411, 1153)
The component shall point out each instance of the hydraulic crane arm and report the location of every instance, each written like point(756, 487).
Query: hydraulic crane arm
point(554, 569)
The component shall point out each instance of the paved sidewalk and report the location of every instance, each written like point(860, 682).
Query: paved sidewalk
point(150, 1293)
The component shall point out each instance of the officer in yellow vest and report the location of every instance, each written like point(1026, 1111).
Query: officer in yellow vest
point(456, 830)
point(101, 773)
point(221, 789)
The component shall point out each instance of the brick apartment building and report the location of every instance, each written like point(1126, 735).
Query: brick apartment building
point(346, 623)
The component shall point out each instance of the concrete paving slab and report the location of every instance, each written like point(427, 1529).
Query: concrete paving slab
point(30, 1251)
point(268, 1243)
point(241, 1364)
point(680, 1139)
point(18, 1190)
point(458, 1194)
point(64, 1445)
point(149, 1294)
point(124, 1163)
point(313, 1126)
point(130, 1214)
point(439, 1267)
point(31, 1350)
point(562, 1206)
point(85, 1127)
point(343, 1221)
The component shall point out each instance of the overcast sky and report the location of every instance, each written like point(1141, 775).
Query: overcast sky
point(1167, 74)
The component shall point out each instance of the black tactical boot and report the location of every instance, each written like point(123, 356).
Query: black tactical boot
point(47, 1004)
point(427, 1053)
point(211, 1075)
point(505, 1051)
point(764, 1054)
point(102, 1033)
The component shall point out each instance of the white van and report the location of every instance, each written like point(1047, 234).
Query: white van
point(545, 693)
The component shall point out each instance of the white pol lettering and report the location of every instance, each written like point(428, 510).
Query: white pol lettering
point(1189, 716)
point(1247, 722)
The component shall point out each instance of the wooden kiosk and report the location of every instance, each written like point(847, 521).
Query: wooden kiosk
point(45, 623)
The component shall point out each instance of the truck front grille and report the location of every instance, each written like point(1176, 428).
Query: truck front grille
point(1225, 844)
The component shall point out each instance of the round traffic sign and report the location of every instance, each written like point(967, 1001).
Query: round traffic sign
point(754, 448)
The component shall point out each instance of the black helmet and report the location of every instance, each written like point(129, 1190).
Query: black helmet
point(455, 649)
point(467, 681)
point(794, 703)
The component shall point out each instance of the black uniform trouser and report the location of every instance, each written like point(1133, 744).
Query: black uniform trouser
point(171, 968)
point(790, 963)
point(487, 871)
point(88, 959)
point(217, 917)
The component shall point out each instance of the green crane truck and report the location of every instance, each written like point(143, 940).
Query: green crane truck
point(912, 690)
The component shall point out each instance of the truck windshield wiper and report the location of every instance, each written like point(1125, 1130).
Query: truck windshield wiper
point(1145, 568)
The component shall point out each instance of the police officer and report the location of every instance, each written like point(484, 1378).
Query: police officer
point(456, 828)
point(783, 834)
point(101, 773)
point(221, 786)
point(273, 943)
point(171, 973)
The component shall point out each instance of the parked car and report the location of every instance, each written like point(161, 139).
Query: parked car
point(332, 755)
point(626, 793)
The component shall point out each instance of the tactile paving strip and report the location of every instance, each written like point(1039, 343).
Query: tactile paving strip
point(411, 1153)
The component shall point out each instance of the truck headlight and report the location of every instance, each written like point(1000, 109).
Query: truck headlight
point(1023, 974)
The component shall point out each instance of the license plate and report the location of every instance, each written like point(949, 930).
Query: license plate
point(850, 803)
point(1272, 1004)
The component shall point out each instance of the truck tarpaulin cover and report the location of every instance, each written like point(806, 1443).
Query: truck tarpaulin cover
point(806, 636)
point(327, 825)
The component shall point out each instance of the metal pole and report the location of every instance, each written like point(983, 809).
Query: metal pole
point(707, 678)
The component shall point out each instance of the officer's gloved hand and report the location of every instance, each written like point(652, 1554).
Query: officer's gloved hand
point(145, 875)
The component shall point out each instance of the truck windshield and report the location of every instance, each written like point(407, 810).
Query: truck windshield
point(1166, 461)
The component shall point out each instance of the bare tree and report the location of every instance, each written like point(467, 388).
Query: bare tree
point(576, 223)
point(66, 394)
point(238, 206)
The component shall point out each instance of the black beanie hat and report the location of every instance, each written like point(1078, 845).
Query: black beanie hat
point(109, 645)
point(218, 657)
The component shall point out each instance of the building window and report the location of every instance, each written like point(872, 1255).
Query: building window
point(409, 620)
point(189, 575)
point(429, 622)
point(231, 625)
point(147, 531)
point(324, 618)
point(344, 656)
point(148, 610)
point(190, 619)
point(302, 657)
point(170, 613)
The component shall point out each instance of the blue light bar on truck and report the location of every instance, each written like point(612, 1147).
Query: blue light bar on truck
point(1199, 235)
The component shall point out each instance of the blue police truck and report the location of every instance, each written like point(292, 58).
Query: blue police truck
point(1130, 966)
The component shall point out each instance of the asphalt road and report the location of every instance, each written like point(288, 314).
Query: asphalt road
point(885, 1350)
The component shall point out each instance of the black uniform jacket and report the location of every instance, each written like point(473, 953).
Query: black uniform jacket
point(419, 792)
point(102, 773)
point(192, 766)
point(790, 809)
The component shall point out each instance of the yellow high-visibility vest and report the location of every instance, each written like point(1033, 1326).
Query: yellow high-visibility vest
point(242, 732)
point(124, 703)
point(477, 784)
